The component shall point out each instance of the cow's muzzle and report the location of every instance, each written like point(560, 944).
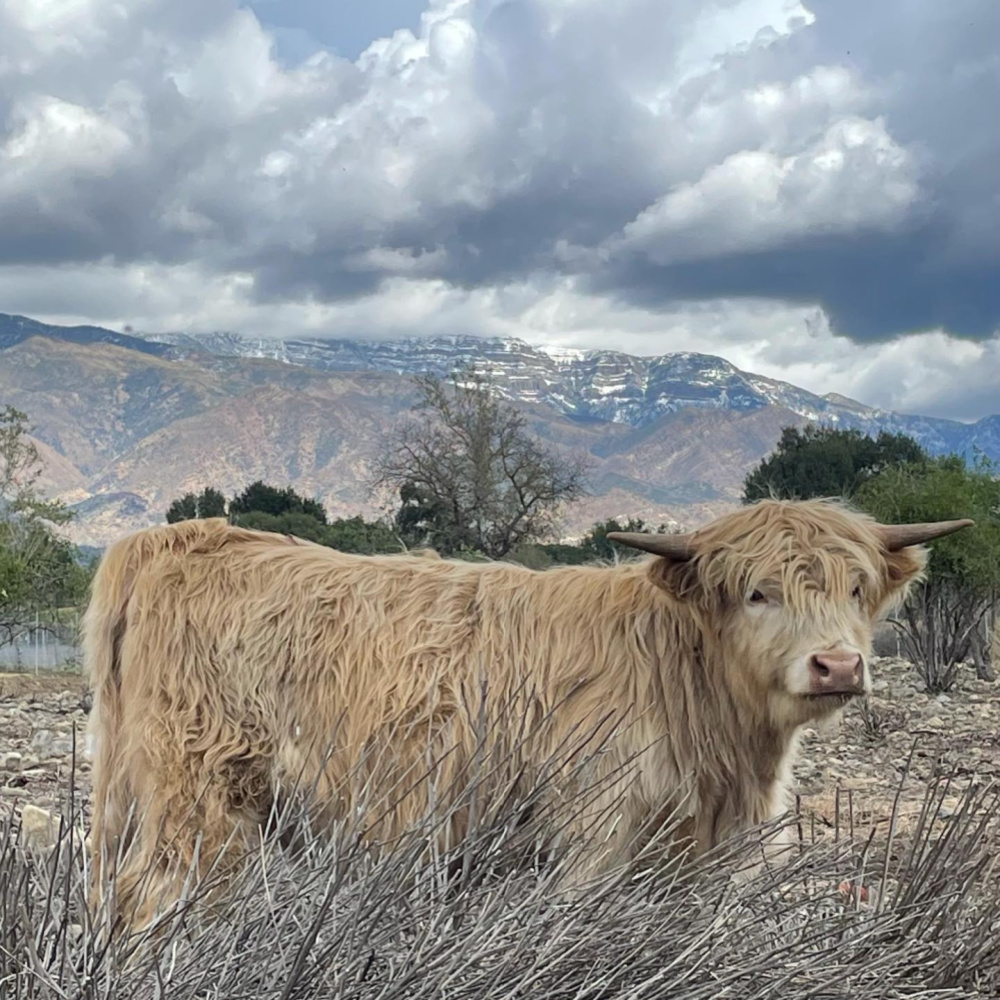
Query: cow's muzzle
point(836, 673)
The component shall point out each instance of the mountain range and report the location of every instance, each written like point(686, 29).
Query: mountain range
point(127, 422)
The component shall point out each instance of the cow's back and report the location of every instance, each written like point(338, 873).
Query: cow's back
point(282, 646)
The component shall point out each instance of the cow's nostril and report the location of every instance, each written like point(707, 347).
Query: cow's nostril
point(836, 672)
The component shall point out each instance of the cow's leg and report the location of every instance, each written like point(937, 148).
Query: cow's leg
point(111, 828)
point(197, 811)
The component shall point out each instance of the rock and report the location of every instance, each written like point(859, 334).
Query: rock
point(936, 721)
point(39, 828)
point(49, 743)
point(12, 761)
point(880, 686)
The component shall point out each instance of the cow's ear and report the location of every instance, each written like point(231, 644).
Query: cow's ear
point(903, 568)
point(678, 577)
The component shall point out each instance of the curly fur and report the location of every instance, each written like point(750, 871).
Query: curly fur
point(224, 662)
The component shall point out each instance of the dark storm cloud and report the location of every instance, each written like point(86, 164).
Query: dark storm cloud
point(872, 288)
point(936, 68)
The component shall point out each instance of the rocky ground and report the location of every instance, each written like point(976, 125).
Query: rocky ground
point(851, 768)
point(882, 756)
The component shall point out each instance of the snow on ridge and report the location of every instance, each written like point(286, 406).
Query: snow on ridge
point(602, 384)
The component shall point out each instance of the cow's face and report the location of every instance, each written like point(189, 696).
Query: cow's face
point(795, 630)
point(786, 596)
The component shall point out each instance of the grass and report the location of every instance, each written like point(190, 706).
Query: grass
point(337, 918)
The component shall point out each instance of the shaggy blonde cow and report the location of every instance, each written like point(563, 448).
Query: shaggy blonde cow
point(225, 661)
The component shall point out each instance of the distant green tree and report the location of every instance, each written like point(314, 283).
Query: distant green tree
point(283, 511)
point(38, 572)
point(422, 518)
point(595, 544)
point(565, 554)
point(355, 534)
point(184, 508)
point(532, 556)
point(294, 523)
point(943, 623)
point(265, 499)
point(39, 569)
point(826, 462)
point(257, 498)
point(209, 503)
point(20, 471)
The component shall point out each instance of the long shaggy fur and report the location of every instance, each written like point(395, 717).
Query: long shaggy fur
point(231, 666)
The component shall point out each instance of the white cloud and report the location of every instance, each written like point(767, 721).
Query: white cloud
point(426, 133)
point(49, 132)
point(853, 178)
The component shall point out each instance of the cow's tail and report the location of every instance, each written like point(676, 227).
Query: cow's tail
point(103, 632)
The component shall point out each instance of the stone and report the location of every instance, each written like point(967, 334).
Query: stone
point(49, 743)
point(39, 828)
point(12, 761)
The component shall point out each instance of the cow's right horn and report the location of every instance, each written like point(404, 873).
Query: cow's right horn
point(899, 536)
point(679, 547)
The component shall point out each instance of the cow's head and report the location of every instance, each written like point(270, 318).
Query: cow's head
point(787, 593)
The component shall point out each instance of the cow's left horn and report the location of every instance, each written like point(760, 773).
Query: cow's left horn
point(677, 547)
point(898, 536)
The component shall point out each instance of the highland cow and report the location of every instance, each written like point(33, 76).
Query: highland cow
point(224, 662)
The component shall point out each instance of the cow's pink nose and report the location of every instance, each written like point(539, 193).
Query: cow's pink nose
point(836, 673)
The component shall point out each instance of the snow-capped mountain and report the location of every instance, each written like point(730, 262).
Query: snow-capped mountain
point(595, 385)
point(128, 423)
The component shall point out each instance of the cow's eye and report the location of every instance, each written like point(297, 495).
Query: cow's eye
point(856, 593)
point(757, 597)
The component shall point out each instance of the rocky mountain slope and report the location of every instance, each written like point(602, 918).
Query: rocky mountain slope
point(128, 423)
point(606, 386)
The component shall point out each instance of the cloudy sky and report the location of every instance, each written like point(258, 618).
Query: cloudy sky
point(809, 189)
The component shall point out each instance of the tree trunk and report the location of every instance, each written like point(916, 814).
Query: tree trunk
point(980, 655)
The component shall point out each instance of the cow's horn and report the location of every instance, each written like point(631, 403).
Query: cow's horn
point(898, 536)
point(672, 546)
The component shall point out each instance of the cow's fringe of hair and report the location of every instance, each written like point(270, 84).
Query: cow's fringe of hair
point(483, 918)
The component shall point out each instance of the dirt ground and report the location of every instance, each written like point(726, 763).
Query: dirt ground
point(854, 766)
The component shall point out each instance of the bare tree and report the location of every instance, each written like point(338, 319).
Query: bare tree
point(941, 627)
point(470, 474)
